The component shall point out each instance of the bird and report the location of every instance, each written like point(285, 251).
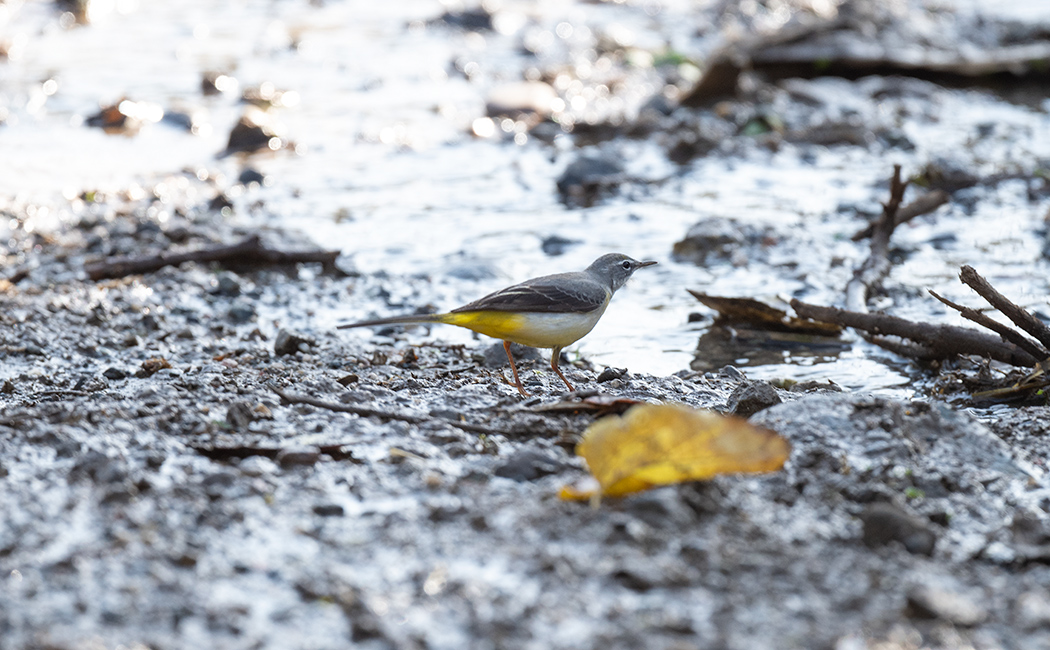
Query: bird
point(551, 311)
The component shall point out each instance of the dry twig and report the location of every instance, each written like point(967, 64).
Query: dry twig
point(249, 252)
point(925, 204)
point(877, 266)
point(935, 341)
point(1017, 314)
point(293, 398)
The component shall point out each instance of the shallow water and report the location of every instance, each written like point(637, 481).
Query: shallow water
point(383, 165)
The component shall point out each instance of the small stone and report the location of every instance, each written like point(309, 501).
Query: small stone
point(257, 466)
point(751, 397)
point(588, 179)
point(151, 366)
point(329, 510)
point(611, 373)
point(239, 415)
point(529, 465)
point(719, 239)
point(289, 342)
point(241, 312)
point(114, 373)
point(7, 388)
point(555, 245)
point(98, 467)
point(925, 601)
point(1032, 610)
point(293, 456)
point(227, 284)
point(885, 523)
point(496, 356)
point(215, 484)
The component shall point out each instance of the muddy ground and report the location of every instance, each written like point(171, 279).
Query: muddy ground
point(157, 491)
point(187, 506)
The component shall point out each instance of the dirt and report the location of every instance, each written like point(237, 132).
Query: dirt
point(196, 458)
point(183, 504)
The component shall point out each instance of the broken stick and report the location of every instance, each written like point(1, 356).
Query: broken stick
point(249, 252)
point(937, 341)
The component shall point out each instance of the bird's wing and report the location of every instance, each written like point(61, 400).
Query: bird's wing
point(565, 292)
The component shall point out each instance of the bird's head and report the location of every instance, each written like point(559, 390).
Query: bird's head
point(616, 268)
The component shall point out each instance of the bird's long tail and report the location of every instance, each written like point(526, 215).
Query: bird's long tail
point(399, 320)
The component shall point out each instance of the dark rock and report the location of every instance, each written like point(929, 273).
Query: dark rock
point(289, 342)
point(227, 284)
point(495, 356)
point(555, 245)
point(293, 456)
point(7, 388)
point(750, 397)
point(249, 176)
point(720, 239)
point(216, 484)
point(475, 20)
point(98, 467)
point(529, 465)
point(255, 131)
point(239, 415)
point(241, 312)
point(813, 386)
point(216, 83)
point(926, 601)
point(611, 373)
point(885, 523)
point(220, 202)
point(589, 178)
point(114, 373)
point(329, 510)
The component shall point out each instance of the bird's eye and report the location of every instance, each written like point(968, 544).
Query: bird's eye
point(626, 265)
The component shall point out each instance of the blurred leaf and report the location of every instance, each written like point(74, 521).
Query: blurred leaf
point(655, 445)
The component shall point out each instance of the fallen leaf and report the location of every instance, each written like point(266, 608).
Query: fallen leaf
point(655, 445)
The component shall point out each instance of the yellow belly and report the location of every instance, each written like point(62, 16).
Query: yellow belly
point(534, 329)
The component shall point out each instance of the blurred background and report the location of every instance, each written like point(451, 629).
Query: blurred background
point(451, 149)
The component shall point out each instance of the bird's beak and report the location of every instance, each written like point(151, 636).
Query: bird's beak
point(645, 264)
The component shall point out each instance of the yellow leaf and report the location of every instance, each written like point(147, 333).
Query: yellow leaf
point(654, 445)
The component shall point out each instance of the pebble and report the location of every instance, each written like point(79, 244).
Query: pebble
point(288, 342)
point(241, 312)
point(293, 456)
point(925, 601)
point(329, 510)
point(611, 373)
point(885, 523)
point(529, 465)
point(1032, 610)
point(114, 373)
point(751, 397)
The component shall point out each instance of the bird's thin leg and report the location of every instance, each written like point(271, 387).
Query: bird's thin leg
point(514, 369)
point(555, 355)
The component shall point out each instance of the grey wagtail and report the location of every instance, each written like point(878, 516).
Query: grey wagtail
point(551, 311)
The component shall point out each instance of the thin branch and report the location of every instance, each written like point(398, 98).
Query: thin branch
point(877, 266)
point(1018, 315)
point(248, 252)
point(1006, 332)
point(293, 398)
point(925, 204)
point(944, 341)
